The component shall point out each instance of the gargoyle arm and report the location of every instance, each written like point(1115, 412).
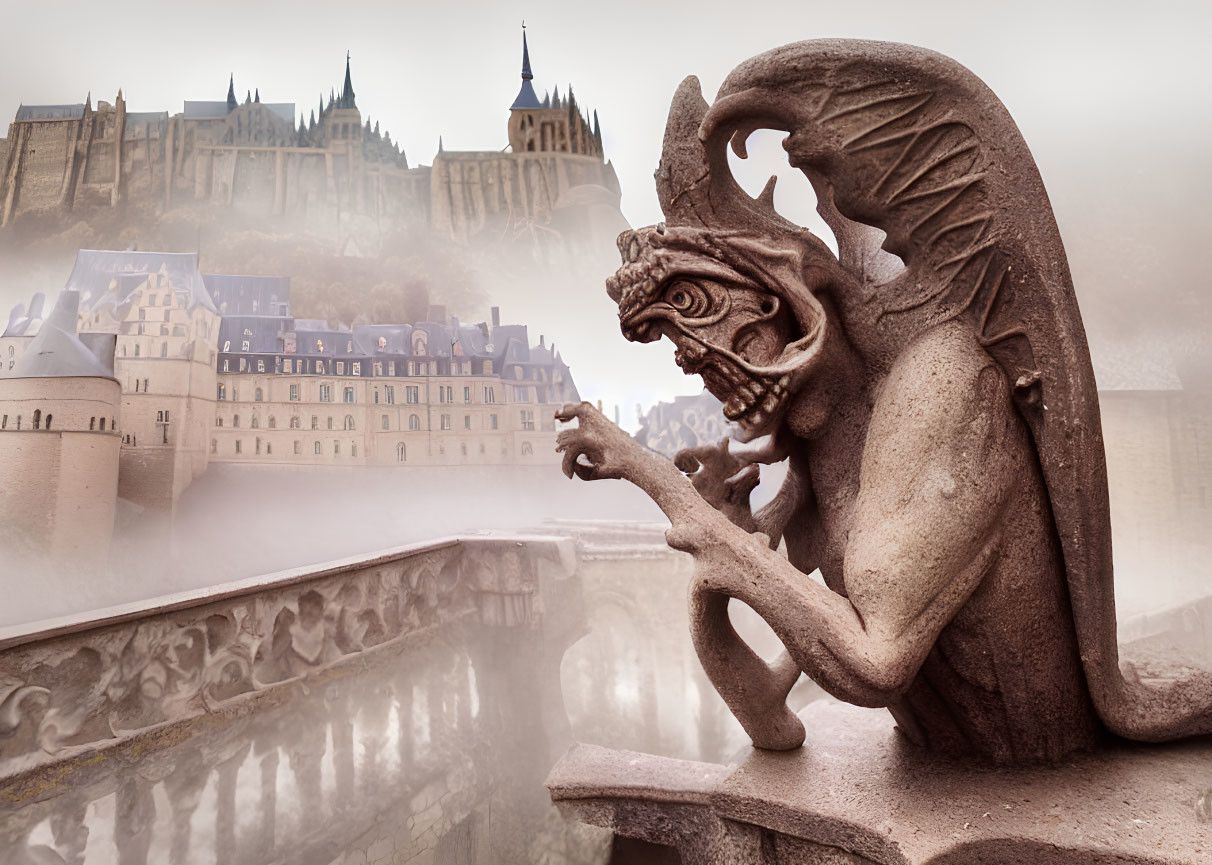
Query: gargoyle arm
point(942, 461)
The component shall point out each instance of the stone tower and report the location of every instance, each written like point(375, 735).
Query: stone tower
point(59, 441)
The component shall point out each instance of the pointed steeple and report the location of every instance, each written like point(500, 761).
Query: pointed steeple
point(231, 93)
point(88, 102)
point(546, 99)
point(597, 129)
point(555, 97)
point(312, 124)
point(527, 75)
point(347, 91)
point(526, 98)
point(247, 97)
point(257, 96)
point(439, 144)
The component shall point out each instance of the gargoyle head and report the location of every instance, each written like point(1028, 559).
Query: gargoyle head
point(730, 282)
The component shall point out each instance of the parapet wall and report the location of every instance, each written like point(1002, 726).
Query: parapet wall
point(71, 689)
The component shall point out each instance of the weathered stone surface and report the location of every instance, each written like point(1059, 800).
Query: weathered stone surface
point(859, 793)
point(931, 389)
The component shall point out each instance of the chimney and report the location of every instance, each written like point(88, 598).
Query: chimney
point(496, 316)
point(541, 342)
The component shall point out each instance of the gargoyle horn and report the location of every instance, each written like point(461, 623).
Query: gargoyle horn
point(694, 183)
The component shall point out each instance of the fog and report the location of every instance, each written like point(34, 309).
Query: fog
point(1112, 97)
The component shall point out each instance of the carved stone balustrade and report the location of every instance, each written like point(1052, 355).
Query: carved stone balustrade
point(71, 688)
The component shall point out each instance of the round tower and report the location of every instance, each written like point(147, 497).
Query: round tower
point(59, 442)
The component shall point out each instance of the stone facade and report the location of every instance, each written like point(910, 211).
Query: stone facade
point(332, 173)
point(59, 465)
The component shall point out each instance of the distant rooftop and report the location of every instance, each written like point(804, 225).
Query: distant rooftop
point(50, 112)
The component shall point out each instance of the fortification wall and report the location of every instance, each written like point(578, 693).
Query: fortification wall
point(57, 485)
point(42, 153)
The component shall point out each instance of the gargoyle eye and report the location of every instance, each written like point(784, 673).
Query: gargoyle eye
point(688, 299)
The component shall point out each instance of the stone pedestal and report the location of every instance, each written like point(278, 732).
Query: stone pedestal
point(857, 793)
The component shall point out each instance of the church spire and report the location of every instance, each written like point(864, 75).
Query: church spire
point(231, 93)
point(347, 91)
point(527, 75)
point(526, 98)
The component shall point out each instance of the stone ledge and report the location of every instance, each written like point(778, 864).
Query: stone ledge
point(857, 793)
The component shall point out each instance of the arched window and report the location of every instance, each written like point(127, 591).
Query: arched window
point(317, 448)
point(349, 422)
point(273, 423)
point(258, 396)
point(256, 421)
point(222, 391)
point(527, 449)
point(37, 418)
point(401, 452)
point(295, 423)
point(414, 422)
point(48, 420)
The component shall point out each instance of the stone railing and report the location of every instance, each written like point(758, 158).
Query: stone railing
point(72, 688)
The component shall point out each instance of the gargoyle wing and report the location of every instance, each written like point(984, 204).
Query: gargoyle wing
point(906, 141)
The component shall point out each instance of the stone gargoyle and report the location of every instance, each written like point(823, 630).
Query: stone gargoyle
point(931, 388)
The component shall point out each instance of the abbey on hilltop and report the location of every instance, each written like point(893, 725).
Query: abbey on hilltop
point(328, 169)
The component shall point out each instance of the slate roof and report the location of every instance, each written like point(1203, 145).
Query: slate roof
point(50, 112)
point(96, 268)
point(56, 352)
point(237, 294)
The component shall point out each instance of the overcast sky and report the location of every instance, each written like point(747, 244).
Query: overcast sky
point(1114, 98)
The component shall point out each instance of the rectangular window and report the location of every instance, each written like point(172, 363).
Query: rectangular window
point(376, 396)
point(325, 393)
point(386, 422)
point(492, 421)
point(226, 365)
point(412, 394)
point(336, 449)
point(357, 368)
point(449, 394)
point(389, 394)
point(330, 422)
point(294, 392)
point(340, 367)
point(238, 445)
point(288, 365)
point(159, 417)
point(221, 396)
point(441, 394)
point(244, 345)
point(467, 394)
point(527, 419)
point(315, 422)
point(297, 447)
point(466, 421)
point(317, 448)
point(349, 394)
point(378, 367)
point(320, 366)
point(391, 367)
point(260, 365)
point(490, 394)
point(445, 421)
